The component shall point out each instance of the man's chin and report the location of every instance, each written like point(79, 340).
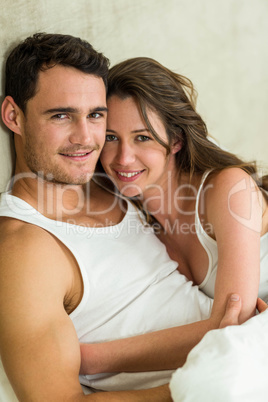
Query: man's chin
point(71, 181)
point(65, 180)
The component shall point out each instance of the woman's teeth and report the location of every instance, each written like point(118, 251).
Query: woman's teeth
point(125, 174)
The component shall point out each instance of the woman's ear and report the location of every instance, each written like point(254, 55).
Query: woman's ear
point(176, 146)
point(12, 115)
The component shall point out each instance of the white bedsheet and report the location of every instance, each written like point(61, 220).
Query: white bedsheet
point(228, 365)
point(6, 392)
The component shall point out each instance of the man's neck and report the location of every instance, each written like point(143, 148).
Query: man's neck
point(53, 200)
point(86, 205)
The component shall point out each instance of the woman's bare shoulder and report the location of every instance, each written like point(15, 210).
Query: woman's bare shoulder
point(229, 177)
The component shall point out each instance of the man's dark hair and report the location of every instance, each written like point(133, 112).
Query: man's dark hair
point(43, 51)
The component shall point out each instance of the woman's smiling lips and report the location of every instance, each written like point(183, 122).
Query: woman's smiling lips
point(128, 176)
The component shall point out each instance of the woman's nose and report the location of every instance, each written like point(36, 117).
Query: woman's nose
point(126, 154)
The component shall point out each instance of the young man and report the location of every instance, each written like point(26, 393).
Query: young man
point(76, 262)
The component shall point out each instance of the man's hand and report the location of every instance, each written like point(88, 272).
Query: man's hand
point(233, 309)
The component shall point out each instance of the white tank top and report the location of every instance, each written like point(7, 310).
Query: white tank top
point(210, 245)
point(130, 285)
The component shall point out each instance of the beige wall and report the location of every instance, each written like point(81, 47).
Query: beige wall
point(221, 45)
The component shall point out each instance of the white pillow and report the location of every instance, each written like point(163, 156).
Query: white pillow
point(228, 365)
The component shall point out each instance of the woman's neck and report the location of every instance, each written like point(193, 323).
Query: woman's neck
point(174, 197)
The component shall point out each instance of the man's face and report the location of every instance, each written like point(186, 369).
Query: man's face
point(63, 130)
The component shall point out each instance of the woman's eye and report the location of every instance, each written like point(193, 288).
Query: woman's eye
point(143, 138)
point(110, 138)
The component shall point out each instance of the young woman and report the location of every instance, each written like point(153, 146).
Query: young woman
point(208, 207)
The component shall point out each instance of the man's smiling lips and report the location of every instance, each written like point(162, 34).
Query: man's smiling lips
point(128, 175)
point(77, 156)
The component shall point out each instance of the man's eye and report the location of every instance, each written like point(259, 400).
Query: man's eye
point(95, 115)
point(59, 116)
point(110, 138)
point(143, 138)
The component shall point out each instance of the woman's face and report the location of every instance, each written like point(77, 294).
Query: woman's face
point(131, 156)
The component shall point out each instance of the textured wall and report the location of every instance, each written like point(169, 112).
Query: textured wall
point(221, 45)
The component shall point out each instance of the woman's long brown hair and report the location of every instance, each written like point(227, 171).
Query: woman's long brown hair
point(172, 97)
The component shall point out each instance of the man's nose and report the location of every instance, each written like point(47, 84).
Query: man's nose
point(81, 132)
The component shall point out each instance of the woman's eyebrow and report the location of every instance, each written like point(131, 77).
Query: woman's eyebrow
point(141, 130)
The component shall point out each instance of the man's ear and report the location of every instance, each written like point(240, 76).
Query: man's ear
point(176, 146)
point(12, 115)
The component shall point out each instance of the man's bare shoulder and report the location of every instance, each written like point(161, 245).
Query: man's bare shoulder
point(12, 227)
point(16, 233)
point(29, 251)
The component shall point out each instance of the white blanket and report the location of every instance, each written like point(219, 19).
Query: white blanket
point(228, 365)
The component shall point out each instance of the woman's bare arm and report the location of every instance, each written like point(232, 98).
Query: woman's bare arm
point(234, 208)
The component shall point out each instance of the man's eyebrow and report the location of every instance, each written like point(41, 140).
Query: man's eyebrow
point(59, 110)
point(100, 109)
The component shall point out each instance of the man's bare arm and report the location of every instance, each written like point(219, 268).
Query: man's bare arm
point(166, 349)
point(161, 350)
point(38, 343)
